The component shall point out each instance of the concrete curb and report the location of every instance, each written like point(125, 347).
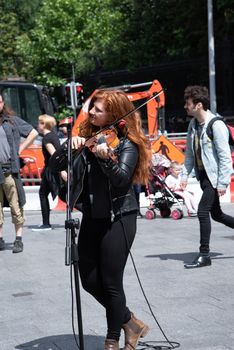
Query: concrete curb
point(33, 202)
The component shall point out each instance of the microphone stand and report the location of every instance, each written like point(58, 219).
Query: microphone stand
point(71, 225)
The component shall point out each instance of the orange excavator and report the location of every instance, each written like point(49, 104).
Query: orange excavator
point(153, 116)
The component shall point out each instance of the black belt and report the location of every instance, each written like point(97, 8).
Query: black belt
point(6, 168)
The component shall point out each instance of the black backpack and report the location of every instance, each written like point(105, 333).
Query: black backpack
point(209, 130)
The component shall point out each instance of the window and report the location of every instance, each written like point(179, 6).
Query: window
point(25, 102)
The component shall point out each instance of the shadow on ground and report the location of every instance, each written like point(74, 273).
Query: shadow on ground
point(8, 246)
point(54, 227)
point(187, 257)
point(63, 342)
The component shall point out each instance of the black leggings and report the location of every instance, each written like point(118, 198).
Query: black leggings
point(103, 248)
point(44, 192)
point(210, 204)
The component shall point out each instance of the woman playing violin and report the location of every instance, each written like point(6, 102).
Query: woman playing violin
point(103, 187)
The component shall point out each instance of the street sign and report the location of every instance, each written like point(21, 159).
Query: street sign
point(163, 146)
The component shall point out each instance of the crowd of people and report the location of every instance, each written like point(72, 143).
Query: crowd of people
point(102, 188)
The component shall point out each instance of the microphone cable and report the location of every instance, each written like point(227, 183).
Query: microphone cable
point(150, 344)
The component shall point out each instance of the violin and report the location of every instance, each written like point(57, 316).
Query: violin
point(58, 161)
point(109, 137)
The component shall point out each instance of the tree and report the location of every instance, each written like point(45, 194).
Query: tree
point(160, 31)
point(99, 35)
point(8, 31)
point(16, 18)
point(82, 33)
point(25, 12)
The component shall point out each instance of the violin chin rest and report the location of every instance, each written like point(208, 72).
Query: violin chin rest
point(101, 140)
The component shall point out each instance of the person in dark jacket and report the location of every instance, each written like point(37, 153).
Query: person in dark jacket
point(104, 187)
point(50, 143)
point(12, 129)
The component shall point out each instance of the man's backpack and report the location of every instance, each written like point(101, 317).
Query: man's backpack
point(209, 131)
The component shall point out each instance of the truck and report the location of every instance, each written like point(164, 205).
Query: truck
point(28, 101)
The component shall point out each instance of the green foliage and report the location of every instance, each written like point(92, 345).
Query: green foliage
point(163, 30)
point(71, 32)
point(62, 113)
point(25, 12)
point(17, 16)
point(225, 10)
point(8, 31)
point(43, 39)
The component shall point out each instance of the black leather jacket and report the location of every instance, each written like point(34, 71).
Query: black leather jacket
point(103, 187)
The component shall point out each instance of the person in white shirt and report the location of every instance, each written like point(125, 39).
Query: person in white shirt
point(173, 182)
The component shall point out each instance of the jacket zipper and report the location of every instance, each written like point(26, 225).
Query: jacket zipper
point(111, 211)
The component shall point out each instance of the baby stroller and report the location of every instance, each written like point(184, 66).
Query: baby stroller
point(160, 196)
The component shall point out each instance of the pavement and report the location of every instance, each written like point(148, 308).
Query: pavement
point(193, 307)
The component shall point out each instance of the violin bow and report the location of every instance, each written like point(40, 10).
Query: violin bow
point(154, 96)
point(66, 143)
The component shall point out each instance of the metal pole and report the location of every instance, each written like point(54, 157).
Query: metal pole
point(211, 49)
point(71, 251)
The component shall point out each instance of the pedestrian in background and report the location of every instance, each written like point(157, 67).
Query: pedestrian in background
point(64, 124)
point(173, 180)
point(212, 162)
point(12, 128)
point(50, 143)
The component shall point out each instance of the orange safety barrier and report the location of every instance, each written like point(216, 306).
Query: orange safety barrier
point(30, 170)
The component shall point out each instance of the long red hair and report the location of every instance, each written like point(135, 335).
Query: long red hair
point(117, 104)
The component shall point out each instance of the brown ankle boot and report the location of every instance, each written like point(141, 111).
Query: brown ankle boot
point(111, 344)
point(134, 329)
